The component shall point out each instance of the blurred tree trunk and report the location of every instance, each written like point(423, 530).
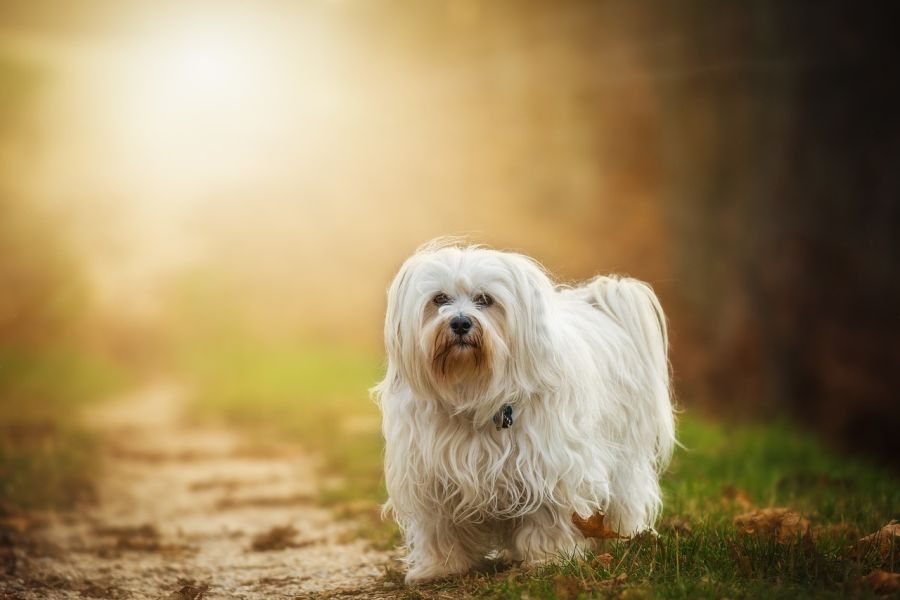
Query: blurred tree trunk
point(783, 169)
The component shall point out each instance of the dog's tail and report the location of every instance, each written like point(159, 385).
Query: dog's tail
point(635, 307)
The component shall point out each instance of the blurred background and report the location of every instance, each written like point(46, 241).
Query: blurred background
point(221, 192)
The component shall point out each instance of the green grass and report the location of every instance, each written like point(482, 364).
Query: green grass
point(774, 465)
point(318, 397)
point(47, 457)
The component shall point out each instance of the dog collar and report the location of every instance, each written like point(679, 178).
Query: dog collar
point(503, 418)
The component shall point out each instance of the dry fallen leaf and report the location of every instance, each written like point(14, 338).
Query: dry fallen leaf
point(604, 560)
point(593, 527)
point(882, 582)
point(782, 524)
point(885, 539)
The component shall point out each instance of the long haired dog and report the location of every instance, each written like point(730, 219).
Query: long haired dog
point(512, 404)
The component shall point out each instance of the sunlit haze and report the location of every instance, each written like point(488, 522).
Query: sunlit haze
point(203, 203)
point(262, 139)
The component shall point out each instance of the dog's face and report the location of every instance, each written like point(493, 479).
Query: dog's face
point(463, 322)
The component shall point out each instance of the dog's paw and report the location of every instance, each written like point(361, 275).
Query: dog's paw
point(509, 555)
point(432, 572)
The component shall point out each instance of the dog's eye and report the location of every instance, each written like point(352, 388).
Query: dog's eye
point(442, 299)
point(483, 300)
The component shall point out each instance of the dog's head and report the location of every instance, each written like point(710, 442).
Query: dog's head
point(468, 324)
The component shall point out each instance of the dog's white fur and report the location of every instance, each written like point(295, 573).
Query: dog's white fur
point(586, 372)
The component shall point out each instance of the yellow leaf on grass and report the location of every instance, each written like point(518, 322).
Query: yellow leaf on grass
point(605, 560)
point(593, 527)
point(885, 539)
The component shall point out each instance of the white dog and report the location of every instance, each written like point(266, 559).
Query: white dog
point(511, 403)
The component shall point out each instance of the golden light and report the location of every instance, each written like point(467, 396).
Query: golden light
point(223, 135)
point(192, 89)
point(172, 122)
point(201, 103)
point(213, 74)
point(206, 69)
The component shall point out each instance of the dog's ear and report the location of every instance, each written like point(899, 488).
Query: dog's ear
point(394, 334)
point(533, 363)
point(400, 328)
point(393, 321)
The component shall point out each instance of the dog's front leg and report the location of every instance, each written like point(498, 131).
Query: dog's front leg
point(547, 534)
point(439, 548)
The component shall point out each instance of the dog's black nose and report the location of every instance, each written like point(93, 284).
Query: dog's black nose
point(460, 324)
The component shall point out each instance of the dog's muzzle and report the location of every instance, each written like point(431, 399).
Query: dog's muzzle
point(460, 325)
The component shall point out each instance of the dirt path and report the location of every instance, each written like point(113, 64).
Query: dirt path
point(182, 508)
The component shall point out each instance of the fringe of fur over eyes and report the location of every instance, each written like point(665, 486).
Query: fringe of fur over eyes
point(584, 369)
